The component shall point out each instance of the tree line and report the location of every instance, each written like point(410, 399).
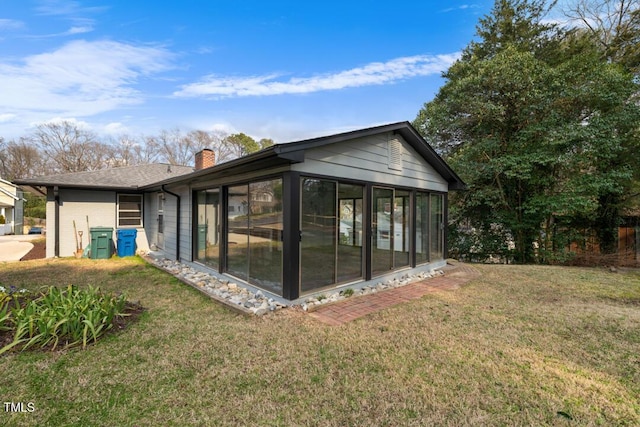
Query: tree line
point(542, 121)
point(64, 146)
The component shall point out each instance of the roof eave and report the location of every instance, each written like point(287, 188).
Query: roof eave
point(271, 155)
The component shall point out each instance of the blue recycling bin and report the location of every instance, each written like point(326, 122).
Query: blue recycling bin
point(127, 242)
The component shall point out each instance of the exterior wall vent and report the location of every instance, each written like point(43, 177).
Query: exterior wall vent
point(394, 149)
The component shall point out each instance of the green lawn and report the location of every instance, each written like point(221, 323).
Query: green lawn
point(521, 345)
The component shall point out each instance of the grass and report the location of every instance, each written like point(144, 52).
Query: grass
point(521, 345)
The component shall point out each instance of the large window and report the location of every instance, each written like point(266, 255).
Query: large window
point(332, 233)
point(254, 233)
point(208, 225)
point(129, 210)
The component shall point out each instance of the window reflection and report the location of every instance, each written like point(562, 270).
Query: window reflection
point(254, 234)
point(208, 217)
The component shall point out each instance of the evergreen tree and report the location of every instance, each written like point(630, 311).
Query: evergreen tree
point(539, 127)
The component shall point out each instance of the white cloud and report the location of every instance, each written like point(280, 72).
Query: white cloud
point(79, 79)
point(376, 73)
point(10, 24)
point(5, 118)
point(79, 30)
point(66, 8)
point(115, 128)
point(80, 124)
point(461, 7)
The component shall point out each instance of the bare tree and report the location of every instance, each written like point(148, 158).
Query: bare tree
point(214, 140)
point(71, 148)
point(129, 151)
point(175, 147)
point(615, 25)
point(19, 159)
point(178, 148)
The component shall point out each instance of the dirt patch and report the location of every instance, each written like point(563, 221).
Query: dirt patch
point(39, 251)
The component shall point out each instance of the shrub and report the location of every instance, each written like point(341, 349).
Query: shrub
point(70, 317)
point(347, 292)
point(3, 220)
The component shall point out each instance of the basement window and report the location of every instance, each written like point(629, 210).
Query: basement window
point(129, 210)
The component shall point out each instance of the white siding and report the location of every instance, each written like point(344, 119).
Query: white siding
point(367, 159)
point(51, 233)
point(77, 205)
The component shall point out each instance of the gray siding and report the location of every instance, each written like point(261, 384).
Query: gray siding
point(171, 222)
point(151, 219)
point(367, 159)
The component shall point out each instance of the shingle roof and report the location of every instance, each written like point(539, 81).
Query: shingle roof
point(293, 152)
point(149, 177)
point(125, 177)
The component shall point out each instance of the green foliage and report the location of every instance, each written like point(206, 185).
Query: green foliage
point(242, 144)
point(2, 219)
point(70, 317)
point(538, 129)
point(35, 206)
point(347, 292)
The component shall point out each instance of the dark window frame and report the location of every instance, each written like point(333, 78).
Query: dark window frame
point(119, 217)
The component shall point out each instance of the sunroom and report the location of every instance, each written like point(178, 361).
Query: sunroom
point(315, 215)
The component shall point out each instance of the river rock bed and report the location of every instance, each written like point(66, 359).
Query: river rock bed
point(257, 303)
point(223, 290)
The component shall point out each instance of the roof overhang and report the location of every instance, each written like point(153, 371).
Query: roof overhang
point(268, 158)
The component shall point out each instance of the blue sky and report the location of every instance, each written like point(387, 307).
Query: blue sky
point(271, 69)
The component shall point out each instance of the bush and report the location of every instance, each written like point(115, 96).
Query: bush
point(70, 317)
point(3, 220)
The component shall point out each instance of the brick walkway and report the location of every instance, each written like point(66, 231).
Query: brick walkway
point(357, 307)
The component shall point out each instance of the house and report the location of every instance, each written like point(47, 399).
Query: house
point(292, 219)
point(11, 208)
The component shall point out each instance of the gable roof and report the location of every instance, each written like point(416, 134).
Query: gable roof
point(154, 176)
point(293, 152)
point(120, 178)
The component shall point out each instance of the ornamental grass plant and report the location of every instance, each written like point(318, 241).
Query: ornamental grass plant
point(54, 318)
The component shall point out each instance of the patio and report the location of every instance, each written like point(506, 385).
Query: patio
point(341, 312)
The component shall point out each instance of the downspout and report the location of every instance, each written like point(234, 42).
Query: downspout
point(56, 201)
point(164, 190)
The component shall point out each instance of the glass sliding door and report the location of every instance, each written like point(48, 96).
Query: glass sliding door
point(382, 229)
point(422, 228)
point(208, 226)
point(401, 225)
point(238, 231)
point(254, 234)
point(391, 230)
point(265, 235)
point(332, 233)
point(318, 227)
point(350, 199)
point(437, 227)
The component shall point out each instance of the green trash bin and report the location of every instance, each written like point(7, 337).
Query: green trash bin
point(101, 242)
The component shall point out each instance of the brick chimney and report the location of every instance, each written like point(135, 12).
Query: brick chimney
point(205, 159)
